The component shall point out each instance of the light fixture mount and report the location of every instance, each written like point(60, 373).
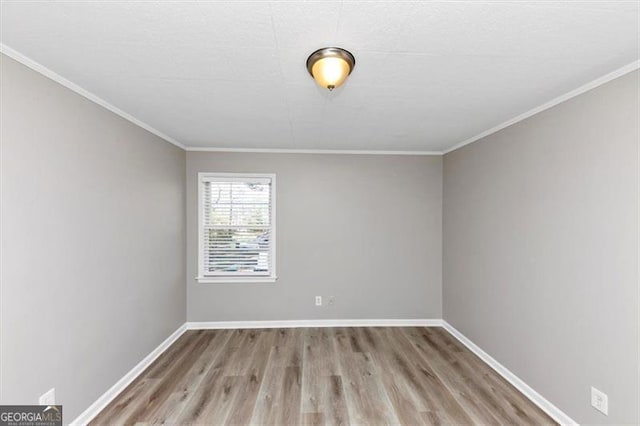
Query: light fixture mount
point(330, 66)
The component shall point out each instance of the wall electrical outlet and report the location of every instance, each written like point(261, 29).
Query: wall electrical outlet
point(332, 300)
point(600, 401)
point(48, 398)
point(318, 300)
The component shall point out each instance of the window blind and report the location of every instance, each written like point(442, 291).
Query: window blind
point(236, 228)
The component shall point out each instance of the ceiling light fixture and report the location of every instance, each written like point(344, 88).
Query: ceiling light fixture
point(330, 66)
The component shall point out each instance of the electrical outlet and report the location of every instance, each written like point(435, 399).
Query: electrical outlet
point(318, 300)
point(600, 401)
point(332, 300)
point(48, 398)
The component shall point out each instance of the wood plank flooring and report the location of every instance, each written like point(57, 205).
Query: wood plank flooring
point(314, 376)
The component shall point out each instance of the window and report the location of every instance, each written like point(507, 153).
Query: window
point(236, 227)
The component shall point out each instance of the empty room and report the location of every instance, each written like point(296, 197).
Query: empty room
point(319, 212)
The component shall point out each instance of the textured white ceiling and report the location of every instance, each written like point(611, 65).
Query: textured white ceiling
point(232, 74)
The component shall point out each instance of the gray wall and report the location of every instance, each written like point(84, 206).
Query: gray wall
point(92, 242)
point(541, 249)
point(363, 228)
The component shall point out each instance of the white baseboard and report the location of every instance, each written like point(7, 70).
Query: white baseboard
point(125, 381)
point(95, 408)
point(316, 323)
point(554, 412)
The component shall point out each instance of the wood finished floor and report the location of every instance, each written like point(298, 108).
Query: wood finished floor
point(376, 375)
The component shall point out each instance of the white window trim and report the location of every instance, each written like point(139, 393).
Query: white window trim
point(272, 277)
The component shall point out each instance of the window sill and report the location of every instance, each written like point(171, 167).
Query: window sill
point(233, 280)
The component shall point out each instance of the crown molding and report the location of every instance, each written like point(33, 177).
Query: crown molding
point(96, 99)
point(550, 104)
point(310, 151)
point(36, 66)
